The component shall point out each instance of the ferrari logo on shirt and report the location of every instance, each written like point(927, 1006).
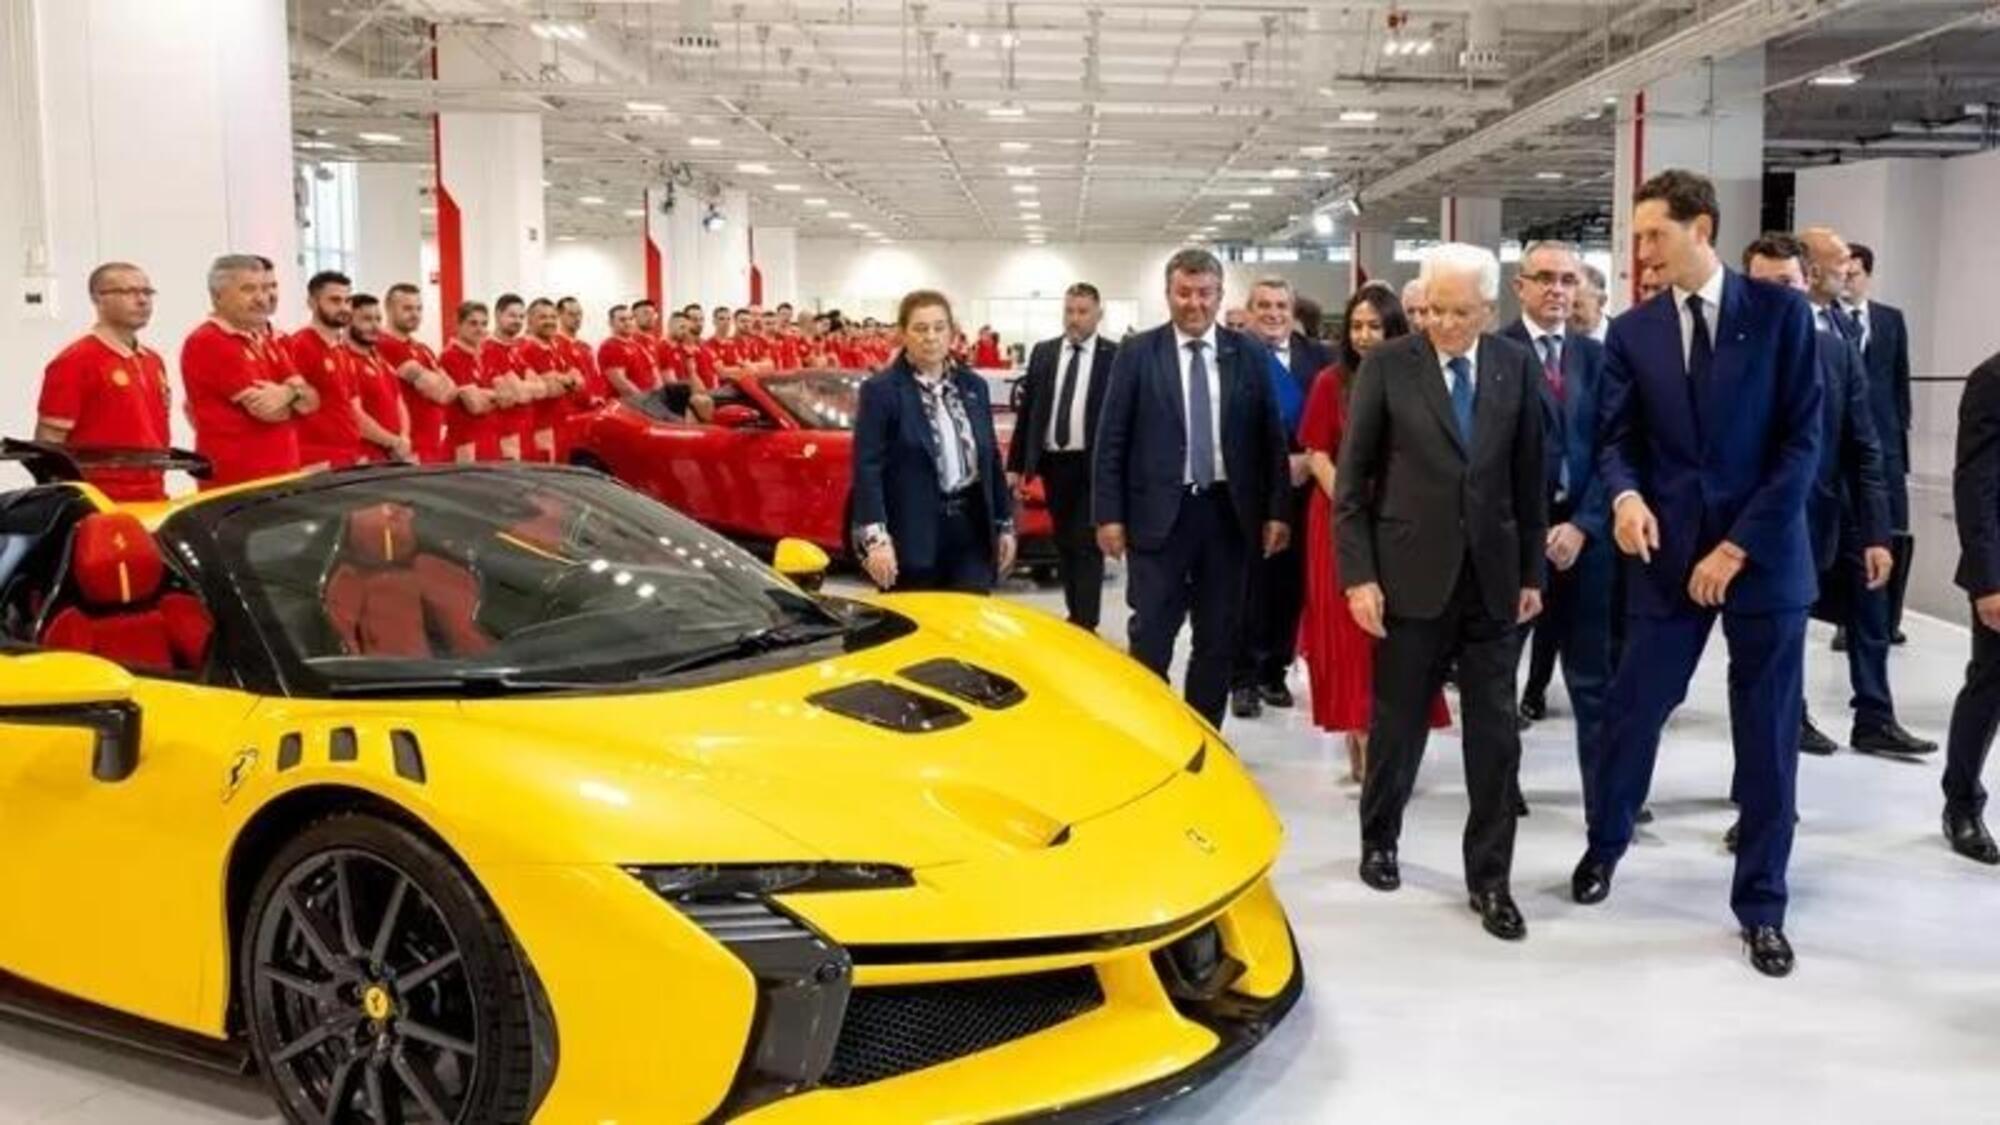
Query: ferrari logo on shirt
point(329, 363)
point(119, 378)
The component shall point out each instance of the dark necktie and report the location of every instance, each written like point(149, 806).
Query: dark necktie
point(1067, 397)
point(1461, 396)
point(1552, 364)
point(1200, 419)
point(1701, 349)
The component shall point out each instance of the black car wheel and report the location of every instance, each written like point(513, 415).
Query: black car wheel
point(380, 984)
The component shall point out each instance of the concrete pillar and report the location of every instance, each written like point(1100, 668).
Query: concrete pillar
point(680, 249)
point(389, 230)
point(159, 134)
point(492, 233)
point(1709, 118)
point(1372, 255)
point(777, 261)
point(724, 253)
point(1469, 218)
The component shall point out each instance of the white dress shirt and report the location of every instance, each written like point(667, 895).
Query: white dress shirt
point(1078, 435)
point(1711, 311)
point(1471, 356)
point(1536, 334)
point(956, 474)
point(1214, 368)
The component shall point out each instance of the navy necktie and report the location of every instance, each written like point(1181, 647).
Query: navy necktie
point(1200, 419)
point(1461, 396)
point(1701, 350)
point(1067, 398)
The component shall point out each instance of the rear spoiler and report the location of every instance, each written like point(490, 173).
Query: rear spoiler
point(48, 463)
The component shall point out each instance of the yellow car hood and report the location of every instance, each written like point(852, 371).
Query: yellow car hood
point(1094, 733)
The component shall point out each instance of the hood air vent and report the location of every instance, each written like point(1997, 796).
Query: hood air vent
point(885, 705)
point(960, 680)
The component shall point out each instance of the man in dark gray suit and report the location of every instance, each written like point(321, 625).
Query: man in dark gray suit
point(1441, 510)
point(1188, 470)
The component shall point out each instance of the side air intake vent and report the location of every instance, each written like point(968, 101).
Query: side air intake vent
point(890, 707)
point(960, 680)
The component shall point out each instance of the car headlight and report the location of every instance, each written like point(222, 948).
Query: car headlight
point(705, 881)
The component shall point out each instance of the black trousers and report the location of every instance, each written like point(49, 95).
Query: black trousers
point(1198, 572)
point(1410, 665)
point(964, 561)
point(1066, 481)
point(1272, 602)
point(1975, 718)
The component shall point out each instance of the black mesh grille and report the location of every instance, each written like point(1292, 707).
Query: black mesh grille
point(898, 1029)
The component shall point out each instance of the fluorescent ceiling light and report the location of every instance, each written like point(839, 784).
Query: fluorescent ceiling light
point(552, 29)
point(1020, 170)
point(815, 201)
point(316, 145)
point(1025, 189)
point(703, 142)
point(1548, 175)
point(1015, 146)
point(1258, 191)
point(1419, 220)
point(635, 212)
point(427, 210)
point(1006, 109)
point(838, 215)
point(1239, 205)
point(1322, 174)
point(1322, 224)
point(857, 226)
point(1313, 151)
point(971, 38)
point(381, 138)
point(1359, 116)
point(1223, 217)
point(1284, 173)
point(590, 200)
point(784, 187)
point(753, 168)
point(645, 107)
point(1009, 40)
point(1837, 76)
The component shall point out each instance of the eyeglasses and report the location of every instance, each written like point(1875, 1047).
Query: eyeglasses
point(127, 291)
point(1551, 278)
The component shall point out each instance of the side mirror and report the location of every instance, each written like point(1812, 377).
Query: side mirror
point(736, 416)
point(69, 689)
point(802, 562)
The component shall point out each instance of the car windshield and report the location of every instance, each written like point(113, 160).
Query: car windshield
point(501, 580)
point(820, 400)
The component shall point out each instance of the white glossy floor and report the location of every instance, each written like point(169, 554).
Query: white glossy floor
point(1640, 1010)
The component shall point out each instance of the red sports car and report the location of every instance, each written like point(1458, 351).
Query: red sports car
point(772, 460)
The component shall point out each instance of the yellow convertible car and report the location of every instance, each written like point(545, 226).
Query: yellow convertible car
point(482, 794)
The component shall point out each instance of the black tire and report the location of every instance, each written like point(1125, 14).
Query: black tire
point(380, 985)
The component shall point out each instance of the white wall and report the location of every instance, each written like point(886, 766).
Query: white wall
point(168, 142)
point(388, 241)
point(1892, 206)
point(599, 272)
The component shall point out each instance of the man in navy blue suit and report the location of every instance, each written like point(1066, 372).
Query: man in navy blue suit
point(1576, 606)
point(1188, 472)
point(1277, 588)
point(1710, 424)
point(1884, 340)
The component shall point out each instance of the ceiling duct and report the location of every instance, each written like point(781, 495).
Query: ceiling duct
point(697, 34)
point(1483, 54)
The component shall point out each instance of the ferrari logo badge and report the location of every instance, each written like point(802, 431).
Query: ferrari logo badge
point(119, 378)
point(1201, 841)
point(118, 541)
point(239, 772)
point(375, 1003)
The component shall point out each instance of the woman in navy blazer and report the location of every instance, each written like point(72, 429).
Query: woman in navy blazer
point(931, 506)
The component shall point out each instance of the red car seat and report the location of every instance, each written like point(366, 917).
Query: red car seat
point(386, 598)
point(119, 612)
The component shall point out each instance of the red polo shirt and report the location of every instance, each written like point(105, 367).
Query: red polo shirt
point(462, 427)
point(594, 388)
point(112, 398)
point(634, 356)
point(426, 417)
point(330, 434)
point(722, 352)
point(533, 355)
point(499, 357)
point(375, 385)
point(217, 364)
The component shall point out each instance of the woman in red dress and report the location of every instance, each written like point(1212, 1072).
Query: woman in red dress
point(1340, 658)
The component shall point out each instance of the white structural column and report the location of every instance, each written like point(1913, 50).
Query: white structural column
point(1470, 218)
point(677, 232)
point(777, 262)
point(90, 170)
point(492, 234)
point(1709, 119)
point(1372, 257)
point(388, 243)
point(724, 254)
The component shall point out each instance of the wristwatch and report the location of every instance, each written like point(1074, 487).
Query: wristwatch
point(872, 536)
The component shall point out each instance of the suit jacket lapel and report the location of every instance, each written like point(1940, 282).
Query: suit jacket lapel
point(913, 405)
point(1730, 333)
point(1573, 389)
point(1169, 369)
point(1227, 370)
point(1488, 380)
point(1430, 382)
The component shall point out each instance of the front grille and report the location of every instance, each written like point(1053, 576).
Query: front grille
point(902, 1028)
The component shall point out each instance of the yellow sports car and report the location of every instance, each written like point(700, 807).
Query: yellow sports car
point(486, 794)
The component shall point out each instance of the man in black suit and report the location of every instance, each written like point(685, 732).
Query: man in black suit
point(1188, 471)
point(1062, 398)
point(1576, 619)
point(1975, 503)
point(1885, 345)
point(1441, 512)
point(1277, 591)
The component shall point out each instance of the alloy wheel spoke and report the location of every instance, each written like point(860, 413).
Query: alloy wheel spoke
point(306, 1042)
point(285, 978)
point(337, 1090)
point(343, 897)
point(309, 928)
point(420, 1084)
point(378, 1104)
point(423, 1033)
point(378, 950)
point(422, 975)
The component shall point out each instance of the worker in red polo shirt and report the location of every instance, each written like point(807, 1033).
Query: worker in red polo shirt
point(109, 391)
point(720, 344)
point(625, 363)
point(569, 326)
point(514, 393)
point(646, 320)
point(243, 396)
point(753, 352)
point(331, 436)
point(542, 359)
point(385, 424)
point(427, 392)
point(473, 423)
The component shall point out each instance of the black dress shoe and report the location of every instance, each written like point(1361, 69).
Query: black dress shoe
point(1275, 695)
point(1245, 704)
point(1534, 708)
point(1499, 915)
point(1889, 738)
point(1520, 804)
point(1379, 870)
point(1645, 815)
point(1899, 638)
point(1590, 883)
point(1840, 639)
point(1770, 953)
point(1812, 740)
point(1969, 838)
